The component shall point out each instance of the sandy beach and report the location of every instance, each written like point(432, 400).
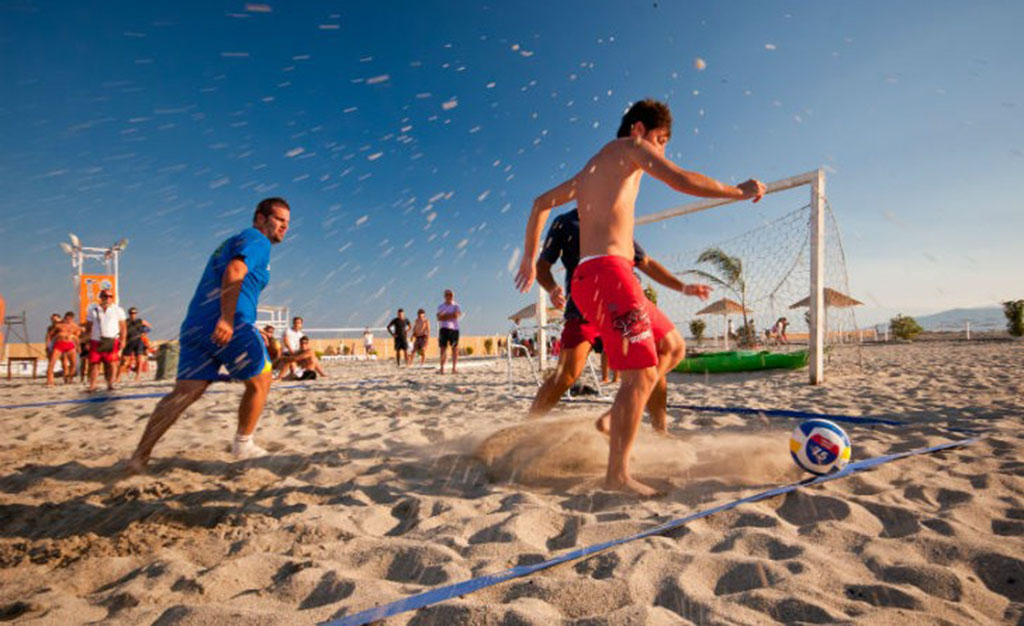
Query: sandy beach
point(381, 484)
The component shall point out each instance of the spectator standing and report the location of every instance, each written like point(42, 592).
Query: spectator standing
point(420, 335)
point(134, 348)
point(107, 331)
point(448, 314)
point(368, 342)
point(399, 330)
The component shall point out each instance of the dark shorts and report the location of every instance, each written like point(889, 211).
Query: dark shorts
point(308, 375)
point(245, 356)
point(419, 344)
point(577, 331)
point(401, 343)
point(134, 348)
point(448, 337)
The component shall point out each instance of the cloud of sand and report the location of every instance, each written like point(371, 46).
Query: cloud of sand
point(548, 451)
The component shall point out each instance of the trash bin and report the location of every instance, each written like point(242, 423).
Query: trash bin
point(167, 360)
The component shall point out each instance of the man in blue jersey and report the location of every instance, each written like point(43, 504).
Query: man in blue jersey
point(220, 330)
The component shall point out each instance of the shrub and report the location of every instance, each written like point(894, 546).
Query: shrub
point(318, 354)
point(469, 350)
point(651, 294)
point(697, 327)
point(904, 327)
point(346, 350)
point(488, 345)
point(1014, 312)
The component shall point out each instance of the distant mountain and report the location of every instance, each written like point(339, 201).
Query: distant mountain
point(981, 318)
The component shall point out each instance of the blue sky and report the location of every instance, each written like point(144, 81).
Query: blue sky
point(411, 138)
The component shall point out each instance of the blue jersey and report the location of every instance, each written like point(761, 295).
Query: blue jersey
point(252, 247)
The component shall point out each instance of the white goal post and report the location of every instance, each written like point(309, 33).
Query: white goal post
point(814, 179)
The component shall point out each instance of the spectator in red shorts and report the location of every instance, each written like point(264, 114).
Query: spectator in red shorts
point(107, 331)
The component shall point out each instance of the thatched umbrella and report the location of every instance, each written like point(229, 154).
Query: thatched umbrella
point(531, 311)
point(833, 298)
point(724, 307)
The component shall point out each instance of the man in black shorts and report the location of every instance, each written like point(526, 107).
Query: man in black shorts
point(134, 348)
point(448, 314)
point(399, 329)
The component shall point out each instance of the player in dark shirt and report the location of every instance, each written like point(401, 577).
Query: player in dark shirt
point(578, 335)
point(399, 329)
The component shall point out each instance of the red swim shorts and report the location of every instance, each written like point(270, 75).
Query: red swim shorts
point(95, 356)
point(65, 346)
point(577, 331)
point(607, 293)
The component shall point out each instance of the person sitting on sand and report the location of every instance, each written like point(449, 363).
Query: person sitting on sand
point(274, 349)
point(307, 365)
point(65, 348)
point(579, 335)
point(640, 340)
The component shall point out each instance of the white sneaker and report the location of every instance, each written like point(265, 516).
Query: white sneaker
point(246, 449)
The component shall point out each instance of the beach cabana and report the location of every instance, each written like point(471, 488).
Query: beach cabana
point(724, 307)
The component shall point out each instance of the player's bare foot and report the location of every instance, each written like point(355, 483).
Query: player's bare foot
point(604, 424)
point(135, 466)
point(631, 485)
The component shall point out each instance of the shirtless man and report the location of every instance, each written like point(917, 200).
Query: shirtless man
point(307, 365)
point(420, 336)
point(65, 347)
point(632, 329)
point(579, 334)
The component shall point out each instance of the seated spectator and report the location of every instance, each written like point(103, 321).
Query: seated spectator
point(306, 364)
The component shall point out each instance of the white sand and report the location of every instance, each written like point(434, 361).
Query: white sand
point(375, 492)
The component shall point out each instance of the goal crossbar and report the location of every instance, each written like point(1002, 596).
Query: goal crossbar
point(806, 178)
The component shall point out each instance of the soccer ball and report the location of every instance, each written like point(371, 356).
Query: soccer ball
point(819, 447)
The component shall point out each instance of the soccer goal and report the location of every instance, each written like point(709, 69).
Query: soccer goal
point(790, 265)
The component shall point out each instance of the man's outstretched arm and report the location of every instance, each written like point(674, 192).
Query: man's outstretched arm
point(693, 183)
point(547, 280)
point(557, 196)
point(662, 276)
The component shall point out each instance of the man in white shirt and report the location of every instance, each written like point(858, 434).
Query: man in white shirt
point(448, 314)
point(292, 337)
point(107, 331)
point(368, 342)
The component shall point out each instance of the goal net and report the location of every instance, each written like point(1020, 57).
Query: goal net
point(765, 272)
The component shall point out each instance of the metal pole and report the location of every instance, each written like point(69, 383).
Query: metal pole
point(542, 321)
point(117, 277)
point(967, 329)
point(817, 297)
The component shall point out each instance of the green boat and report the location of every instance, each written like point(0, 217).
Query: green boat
point(742, 361)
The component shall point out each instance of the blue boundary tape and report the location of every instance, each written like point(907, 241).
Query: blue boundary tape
point(440, 594)
point(137, 396)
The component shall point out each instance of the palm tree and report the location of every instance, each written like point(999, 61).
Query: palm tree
point(730, 276)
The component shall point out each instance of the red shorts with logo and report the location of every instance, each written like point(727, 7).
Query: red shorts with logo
point(95, 356)
point(577, 331)
point(610, 296)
